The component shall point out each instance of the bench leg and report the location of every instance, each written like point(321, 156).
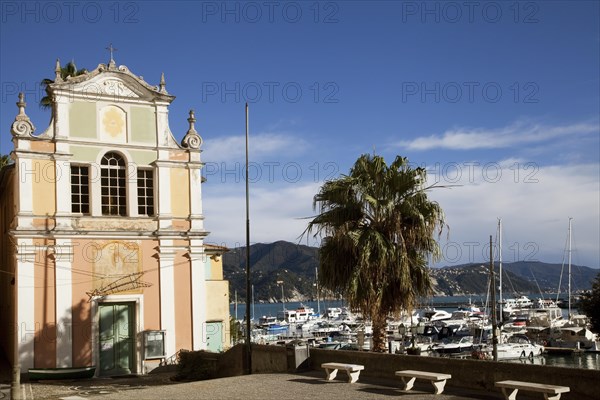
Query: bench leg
point(408, 383)
point(331, 373)
point(510, 394)
point(552, 397)
point(438, 386)
point(353, 376)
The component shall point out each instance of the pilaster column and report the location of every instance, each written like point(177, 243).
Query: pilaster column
point(163, 184)
point(26, 175)
point(26, 324)
point(196, 217)
point(199, 264)
point(63, 258)
point(63, 193)
point(167, 294)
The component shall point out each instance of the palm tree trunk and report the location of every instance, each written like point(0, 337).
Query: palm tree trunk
point(379, 333)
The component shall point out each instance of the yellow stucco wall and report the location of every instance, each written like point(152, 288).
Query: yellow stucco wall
point(217, 296)
point(44, 181)
point(82, 120)
point(216, 267)
point(180, 192)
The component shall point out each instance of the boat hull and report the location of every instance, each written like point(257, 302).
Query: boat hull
point(61, 373)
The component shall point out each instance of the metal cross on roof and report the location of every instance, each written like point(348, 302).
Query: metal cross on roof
point(111, 49)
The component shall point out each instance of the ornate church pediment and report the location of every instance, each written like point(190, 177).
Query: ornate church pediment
point(112, 83)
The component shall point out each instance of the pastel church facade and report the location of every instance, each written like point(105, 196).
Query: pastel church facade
point(102, 240)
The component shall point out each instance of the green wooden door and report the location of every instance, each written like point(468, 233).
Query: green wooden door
point(214, 336)
point(116, 338)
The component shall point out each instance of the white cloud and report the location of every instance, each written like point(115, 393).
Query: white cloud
point(276, 212)
point(261, 146)
point(518, 133)
point(534, 203)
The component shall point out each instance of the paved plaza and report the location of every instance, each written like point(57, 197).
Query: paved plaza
point(310, 385)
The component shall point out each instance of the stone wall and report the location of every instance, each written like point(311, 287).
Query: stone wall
point(473, 374)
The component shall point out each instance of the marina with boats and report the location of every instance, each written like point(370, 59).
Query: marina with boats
point(437, 330)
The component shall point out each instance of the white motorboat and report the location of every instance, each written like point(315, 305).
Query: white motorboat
point(517, 346)
point(267, 320)
point(454, 345)
point(433, 315)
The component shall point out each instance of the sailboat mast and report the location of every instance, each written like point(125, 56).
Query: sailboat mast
point(493, 296)
point(317, 287)
point(500, 266)
point(570, 219)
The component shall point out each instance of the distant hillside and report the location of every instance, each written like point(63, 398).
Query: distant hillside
point(473, 279)
point(295, 266)
point(280, 261)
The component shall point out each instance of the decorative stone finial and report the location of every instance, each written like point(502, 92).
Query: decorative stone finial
point(163, 84)
point(21, 104)
point(191, 121)
point(57, 72)
point(191, 139)
point(22, 125)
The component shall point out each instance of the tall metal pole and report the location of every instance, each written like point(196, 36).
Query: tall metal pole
point(570, 219)
point(500, 268)
point(248, 349)
point(493, 295)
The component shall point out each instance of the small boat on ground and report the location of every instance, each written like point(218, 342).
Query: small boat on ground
point(61, 373)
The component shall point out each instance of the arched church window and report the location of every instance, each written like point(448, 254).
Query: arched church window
point(113, 185)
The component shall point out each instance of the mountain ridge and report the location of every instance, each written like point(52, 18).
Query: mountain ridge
point(295, 266)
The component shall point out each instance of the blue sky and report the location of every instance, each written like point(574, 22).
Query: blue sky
point(500, 98)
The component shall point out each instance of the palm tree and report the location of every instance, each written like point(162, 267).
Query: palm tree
point(377, 227)
point(590, 305)
point(4, 160)
point(68, 70)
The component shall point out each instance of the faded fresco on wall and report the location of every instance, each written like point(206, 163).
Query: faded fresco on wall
point(114, 263)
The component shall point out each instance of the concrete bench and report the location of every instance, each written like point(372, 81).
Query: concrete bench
point(551, 392)
point(437, 380)
point(353, 370)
